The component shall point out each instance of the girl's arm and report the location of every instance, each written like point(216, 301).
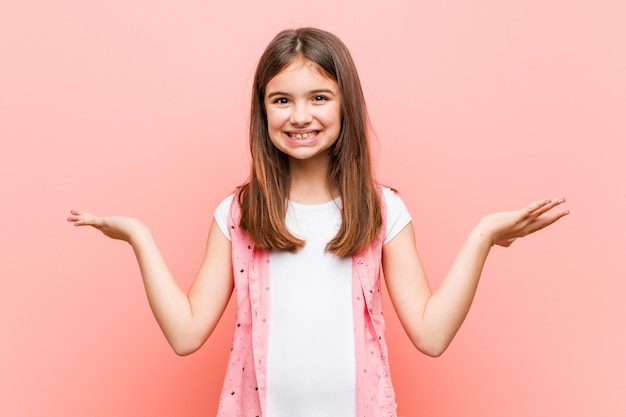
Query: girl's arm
point(187, 320)
point(432, 319)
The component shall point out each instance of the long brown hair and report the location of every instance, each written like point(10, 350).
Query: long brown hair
point(263, 197)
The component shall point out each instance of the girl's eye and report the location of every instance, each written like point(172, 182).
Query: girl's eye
point(281, 100)
point(320, 98)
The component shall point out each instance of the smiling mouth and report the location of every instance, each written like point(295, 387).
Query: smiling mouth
point(306, 135)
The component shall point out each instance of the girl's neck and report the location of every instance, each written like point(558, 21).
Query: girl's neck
point(309, 183)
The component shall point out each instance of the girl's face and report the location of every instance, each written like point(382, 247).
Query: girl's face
point(303, 111)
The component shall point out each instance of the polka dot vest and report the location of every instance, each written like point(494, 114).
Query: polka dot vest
point(243, 393)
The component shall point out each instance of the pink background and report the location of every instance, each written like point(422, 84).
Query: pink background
point(140, 108)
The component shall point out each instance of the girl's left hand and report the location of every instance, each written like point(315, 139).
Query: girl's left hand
point(503, 228)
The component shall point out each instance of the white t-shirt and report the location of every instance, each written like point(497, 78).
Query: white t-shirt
point(311, 359)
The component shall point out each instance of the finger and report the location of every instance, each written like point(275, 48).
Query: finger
point(75, 215)
point(81, 213)
point(80, 221)
point(537, 209)
point(544, 209)
point(74, 219)
point(546, 221)
point(537, 206)
point(527, 212)
point(84, 219)
point(84, 223)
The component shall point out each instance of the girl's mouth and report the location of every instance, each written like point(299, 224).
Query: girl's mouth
point(305, 135)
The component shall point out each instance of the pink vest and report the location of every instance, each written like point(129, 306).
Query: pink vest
point(243, 394)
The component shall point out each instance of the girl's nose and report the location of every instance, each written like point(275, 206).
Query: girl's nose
point(301, 115)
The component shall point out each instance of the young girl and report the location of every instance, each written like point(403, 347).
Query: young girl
point(303, 242)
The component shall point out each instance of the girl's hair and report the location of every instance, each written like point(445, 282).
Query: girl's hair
point(263, 198)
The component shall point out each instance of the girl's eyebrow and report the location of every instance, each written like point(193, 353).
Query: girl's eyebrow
point(312, 92)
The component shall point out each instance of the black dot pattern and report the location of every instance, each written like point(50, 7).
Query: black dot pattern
point(243, 394)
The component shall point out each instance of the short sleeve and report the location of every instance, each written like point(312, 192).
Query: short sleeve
point(221, 215)
point(398, 215)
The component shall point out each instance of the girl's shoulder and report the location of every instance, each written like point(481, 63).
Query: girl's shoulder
point(391, 197)
point(388, 192)
point(398, 215)
point(221, 214)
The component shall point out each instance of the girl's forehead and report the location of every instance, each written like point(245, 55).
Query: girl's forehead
point(299, 63)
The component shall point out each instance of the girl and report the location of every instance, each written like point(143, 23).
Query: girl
point(303, 242)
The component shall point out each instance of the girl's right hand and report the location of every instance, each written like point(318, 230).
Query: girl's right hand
point(115, 227)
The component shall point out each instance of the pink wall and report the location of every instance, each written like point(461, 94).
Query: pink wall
point(140, 108)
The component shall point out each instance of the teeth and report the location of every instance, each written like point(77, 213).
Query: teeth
point(302, 135)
